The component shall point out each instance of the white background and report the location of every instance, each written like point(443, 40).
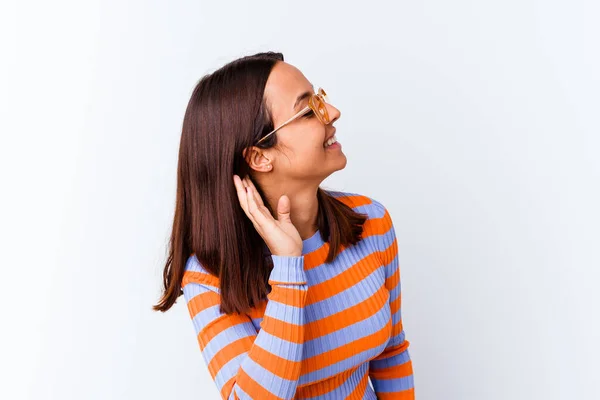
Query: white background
point(474, 122)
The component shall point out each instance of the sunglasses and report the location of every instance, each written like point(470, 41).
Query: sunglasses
point(316, 104)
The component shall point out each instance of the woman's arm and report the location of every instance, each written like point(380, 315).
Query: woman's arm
point(391, 372)
point(244, 364)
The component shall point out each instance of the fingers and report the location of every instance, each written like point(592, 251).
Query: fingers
point(252, 203)
point(260, 213)
point(283, 209)
point(257, 197)
point(242, 194)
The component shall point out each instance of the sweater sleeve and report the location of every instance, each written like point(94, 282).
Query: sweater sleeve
point(391, 372)
point(245, 364)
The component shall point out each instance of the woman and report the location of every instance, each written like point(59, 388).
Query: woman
point(294, 291)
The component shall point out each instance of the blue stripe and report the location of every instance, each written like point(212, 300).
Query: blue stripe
point(344, 336)
point(344, 390)
point(397, 316)
point(288, 269)
point(227, 336)
point(371, 210)
point(392, 267)
point(386, 239)
point(203, 317)
point(193, 264)
point(395, 292)
point(285, 312)
point(338, 193)
point(229, 370)
point(192, 290)
point(393, 385)
point(256, 322)
point(387, 362)
point(397, 339)
point(369, 394)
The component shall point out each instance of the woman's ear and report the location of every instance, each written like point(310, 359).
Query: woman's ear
point(257, 159)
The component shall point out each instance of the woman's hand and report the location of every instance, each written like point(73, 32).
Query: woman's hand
point(280, 235)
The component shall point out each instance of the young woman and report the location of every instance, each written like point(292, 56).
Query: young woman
point(293, 290)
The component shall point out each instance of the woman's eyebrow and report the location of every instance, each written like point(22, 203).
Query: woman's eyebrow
point(301, 97)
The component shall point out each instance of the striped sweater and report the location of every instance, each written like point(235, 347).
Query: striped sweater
point(324, 330)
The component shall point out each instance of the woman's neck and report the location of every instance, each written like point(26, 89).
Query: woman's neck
point(304, 207)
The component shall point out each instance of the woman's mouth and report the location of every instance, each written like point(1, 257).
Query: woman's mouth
point(331, 143)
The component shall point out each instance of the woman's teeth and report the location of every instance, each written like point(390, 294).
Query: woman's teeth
point(330, 141)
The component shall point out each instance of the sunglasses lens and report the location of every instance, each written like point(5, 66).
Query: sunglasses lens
point(320, 109)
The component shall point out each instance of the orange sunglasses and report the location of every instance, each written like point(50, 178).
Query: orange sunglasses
point(316, 103)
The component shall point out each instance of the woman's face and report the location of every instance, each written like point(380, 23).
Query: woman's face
point(301, 153)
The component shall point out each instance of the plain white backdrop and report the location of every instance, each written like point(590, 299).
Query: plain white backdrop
point(474, 122)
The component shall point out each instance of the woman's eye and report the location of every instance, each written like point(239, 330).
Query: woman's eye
point(309, 114)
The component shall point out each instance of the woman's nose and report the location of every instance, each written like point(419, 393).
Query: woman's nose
point(334, 113)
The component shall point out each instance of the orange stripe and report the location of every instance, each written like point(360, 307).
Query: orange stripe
point(217, 326)
point(408, 394)
point(359, 390)
point(201, 302)
point(343, 352)
point(253, 388)
point(347, 317)
point(395, 305)
point(279, 366)
point(380, 225)
point(283, 330)
point(257, 311)
point(199, 277)
point(315, 258)
point(228, 387)
point(345, 279)
point(288, 296)
point(227, 352)
point(390, 253)
point(392, 280)
point(393, 351)
point(393, 372)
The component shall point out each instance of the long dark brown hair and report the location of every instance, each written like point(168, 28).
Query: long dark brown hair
point(226, 114)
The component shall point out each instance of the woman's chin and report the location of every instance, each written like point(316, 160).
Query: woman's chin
point(339, 163)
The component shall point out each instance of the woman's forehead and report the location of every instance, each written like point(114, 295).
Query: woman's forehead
point(285, 85)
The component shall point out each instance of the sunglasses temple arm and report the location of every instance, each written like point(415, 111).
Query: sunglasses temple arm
point(299, 113)
point(293, 117)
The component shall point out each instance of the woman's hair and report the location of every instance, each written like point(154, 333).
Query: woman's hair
point(226, 113)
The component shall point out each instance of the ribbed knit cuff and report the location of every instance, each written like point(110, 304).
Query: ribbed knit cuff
point(288, 270)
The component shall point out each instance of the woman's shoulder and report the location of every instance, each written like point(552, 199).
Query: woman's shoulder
point(194, 272)
point(360, 203)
